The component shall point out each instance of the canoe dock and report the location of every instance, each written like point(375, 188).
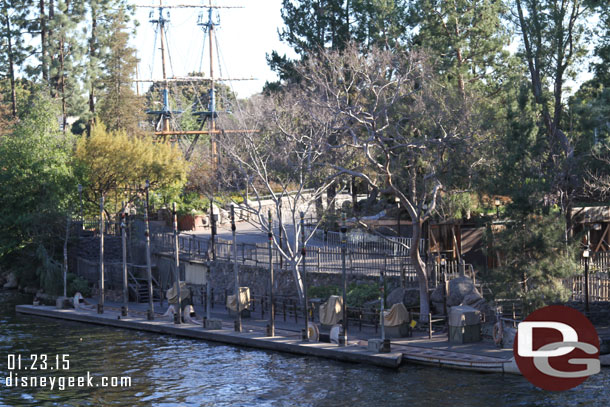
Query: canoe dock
point(437, 351)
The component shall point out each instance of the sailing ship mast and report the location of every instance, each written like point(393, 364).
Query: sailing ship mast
point(165, 114)
point(211, 114)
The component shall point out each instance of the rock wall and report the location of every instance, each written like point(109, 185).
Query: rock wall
point(257, 279)
point(599, 312)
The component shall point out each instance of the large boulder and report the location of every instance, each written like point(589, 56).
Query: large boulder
point(459, 288)
point(461, 292)
point(472, 298)
point(408, 296)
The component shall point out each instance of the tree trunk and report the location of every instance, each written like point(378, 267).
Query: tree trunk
point(297, 278)
point(92, 54)
point(319, 207)
point(420, 269)
point(354, 195)
point(460, 62)
point(11, 68)
point(43, 42)
point(62, 85)
point(52, 80)
point(330, 197)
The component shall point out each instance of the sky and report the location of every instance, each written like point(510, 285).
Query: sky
point(245, 36)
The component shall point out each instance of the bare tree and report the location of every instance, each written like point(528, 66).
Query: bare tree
point(390, 107)
point(597, 181)
point(284, 166)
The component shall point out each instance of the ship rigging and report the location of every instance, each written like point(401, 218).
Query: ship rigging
point(166, 123)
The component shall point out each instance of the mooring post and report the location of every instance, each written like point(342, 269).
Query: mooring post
point(178, 314)
point(65, 267)
point(125, 307)
point(279, 218)
point(343, 336)
point(100, 304)
point(213, 229)
point(236, 272)
point(271, 327)
point(381, 302)
point(150, 314)
point(304, 277)
point(82, 220)
point(208, 292)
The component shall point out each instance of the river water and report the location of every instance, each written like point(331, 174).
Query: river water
point(169, 371)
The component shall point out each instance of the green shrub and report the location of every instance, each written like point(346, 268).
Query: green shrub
point(357, 294)
point(77, 284)
point(323, 291)
point(192, 202)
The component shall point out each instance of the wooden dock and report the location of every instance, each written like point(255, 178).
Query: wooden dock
point(403, 351)
point(456, 360)
point(284, 341)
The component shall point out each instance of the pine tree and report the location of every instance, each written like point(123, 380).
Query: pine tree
point(66, 50)
point(13, 49)
point(468, 37)
point(553, 42)
point(119, 107)
point(533, 260)
point(590, 106)
point(100, 37)
point(314, 25)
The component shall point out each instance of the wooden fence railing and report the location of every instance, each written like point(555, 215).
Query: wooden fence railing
point(599, 261)
point(599, 287)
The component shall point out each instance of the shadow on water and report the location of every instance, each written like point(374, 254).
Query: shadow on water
point(169, 371)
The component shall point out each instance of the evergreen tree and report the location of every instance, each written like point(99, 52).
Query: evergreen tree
point(533, 260)
point(468, 37)
point(314, 25)
point(119, 106)
point(6, 118)
point(102, 35)
point(13, 49)
point(553, 36)
point(590, 106)
point(66, 53)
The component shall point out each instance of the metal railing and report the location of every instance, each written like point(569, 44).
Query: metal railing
point(359, 240)
point(325, 259)
point(111, 227)
point(113, 274)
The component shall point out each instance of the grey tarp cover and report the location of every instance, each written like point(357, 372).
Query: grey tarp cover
point(244, 299)
point(172, 295)
point(330, 311)
point(397, 315)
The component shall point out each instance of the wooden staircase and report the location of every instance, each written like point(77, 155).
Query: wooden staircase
point(139, 288)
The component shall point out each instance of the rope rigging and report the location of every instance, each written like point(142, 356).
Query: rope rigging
point(170, 121)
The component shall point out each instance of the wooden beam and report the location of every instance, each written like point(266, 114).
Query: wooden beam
point(199, 132)
point(601, 239)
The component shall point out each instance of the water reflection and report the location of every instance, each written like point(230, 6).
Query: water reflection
point(168, 371)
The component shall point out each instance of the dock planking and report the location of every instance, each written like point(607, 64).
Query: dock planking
point(289, 341)
point(284, 341)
